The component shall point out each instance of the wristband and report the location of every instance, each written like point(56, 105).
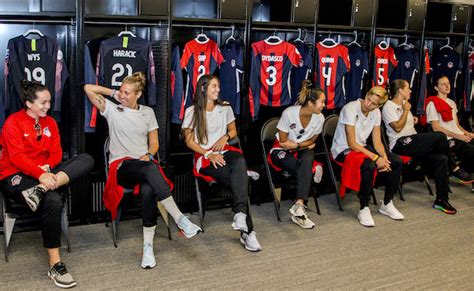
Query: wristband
point(150, 156)
point(206, 155)
point(376, 158)
point(113, 94)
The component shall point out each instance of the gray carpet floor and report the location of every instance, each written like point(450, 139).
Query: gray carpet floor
point(428, 250)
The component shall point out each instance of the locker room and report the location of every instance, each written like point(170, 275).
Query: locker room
point(418, 34)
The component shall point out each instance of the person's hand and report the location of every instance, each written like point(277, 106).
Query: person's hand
point(145, 158)
point(463, 137)
point(415, 120)
point(406, 106)
point(220, 144)
point(216, 159)
point(470, 134)
point(49, 180)
point(311, 146)
point(45, 168)
point(383, 164)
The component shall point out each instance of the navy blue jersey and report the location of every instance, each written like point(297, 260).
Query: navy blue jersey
point(2, 115)
point(420, 105)
point(407, 64)
point(303, 72)
point(121, 56)
point(446, 62)
point(177, 93)
point(34, 60)
point(359, 68)
point(231, 71)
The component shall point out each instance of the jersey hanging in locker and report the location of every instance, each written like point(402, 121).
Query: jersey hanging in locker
point(199, 58)
point(35, 60)
point(446, 62)
point(359, 68)
point(270, 74)
point(231, 74)
point(177, 94)
point(385, 62)
point(332, 63)
point(120, 57)
point(302, 72)
point(407, 58)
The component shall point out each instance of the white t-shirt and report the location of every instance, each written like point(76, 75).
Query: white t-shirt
point(290, 123)
point(128, 130)
point(433, 115)
point(392, 112)
point(216, 121)
point(351, 114)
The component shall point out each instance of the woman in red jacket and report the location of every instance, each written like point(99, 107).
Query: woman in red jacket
point(31, 170)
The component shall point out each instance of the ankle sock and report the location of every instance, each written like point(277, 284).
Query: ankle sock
point(148, 234)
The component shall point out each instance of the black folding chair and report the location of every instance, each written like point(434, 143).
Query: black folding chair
point(267, 137)
point(128, 193)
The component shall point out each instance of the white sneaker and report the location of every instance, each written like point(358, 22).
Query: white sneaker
point(250, 242)
point(318, 174)
point(365, 218)
point(240, 222)
point(390, 211)
point(298, 216)
point(148, 257)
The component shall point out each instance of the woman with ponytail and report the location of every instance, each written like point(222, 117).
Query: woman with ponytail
point(133, 133)
point(32, 173)
point(208, 126)
point(292, 151)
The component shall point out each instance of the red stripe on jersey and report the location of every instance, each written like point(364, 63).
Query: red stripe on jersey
point(385, 62)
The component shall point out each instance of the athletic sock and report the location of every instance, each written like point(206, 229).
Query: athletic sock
point(148, 234)
point(172, 208)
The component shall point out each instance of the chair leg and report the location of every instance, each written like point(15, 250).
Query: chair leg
point(334, 182)
point(425, 178)
point(115, 223)
point(315, 196)
point(200, 204)
point(400, 191)
point(165, 216)
point(65, 228)
point(277, 200)
point(8, 225)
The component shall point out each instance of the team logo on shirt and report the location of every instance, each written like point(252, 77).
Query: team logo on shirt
point(46, 132)
point(407, 64)
point(281, 155)
point(357, 117)
point(407, 140)
point(399, 109)
point(357, 63)
point(16, 180)
point(7, 54)
point(119, 109)
point(232, 63)
point(293, 126)
point(450, 65)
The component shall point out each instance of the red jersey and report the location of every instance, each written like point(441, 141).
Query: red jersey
point(332, 63)
point(270, 74)
point(23, 150)
point(385, 63)
point(199, 58)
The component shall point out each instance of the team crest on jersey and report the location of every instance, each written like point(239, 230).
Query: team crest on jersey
point(119, 109)
point(60, 55)
point(7, 54)
point(357, 63)
point(46, 132)
point(232, 63)
point(293, 126)
point(399, 109)
point(281, 155)
point(301, 63)
point(407, 64)
point(450, 65)
point(357, 117)
point(16, 180)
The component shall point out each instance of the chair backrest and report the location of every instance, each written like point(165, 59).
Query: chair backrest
point(106, 156)
point(330, 124)
point(269, 129)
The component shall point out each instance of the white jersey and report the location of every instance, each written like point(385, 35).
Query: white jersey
point(128, 130)
point(351, 114)
point(433, 115)
point(392, 112)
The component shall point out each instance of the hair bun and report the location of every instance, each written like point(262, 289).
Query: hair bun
point(307, 84)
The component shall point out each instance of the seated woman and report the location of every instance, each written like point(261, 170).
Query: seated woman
point(207, 126)
point(431, 148)
point(298, 129)
point(358, 120)
point(441, 113)
point(133, 132)
point(31, 170)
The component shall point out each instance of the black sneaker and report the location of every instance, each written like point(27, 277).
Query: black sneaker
point(463, 176)
point(33, 197)
point(60, 276)
point(444, 206)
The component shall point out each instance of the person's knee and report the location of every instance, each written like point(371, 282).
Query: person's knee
point(52, 201)
point(87, 160)
point(396, 162)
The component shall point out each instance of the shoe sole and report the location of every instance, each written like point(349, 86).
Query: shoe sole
point(463, 182)
point(191, 235)
point(239, 229)
point(295, 220)
point(60, 284)
point(444, 210)
point(247, 248)
point(29, 202)
point(386, 214)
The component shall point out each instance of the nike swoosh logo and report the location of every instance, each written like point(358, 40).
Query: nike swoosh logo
point(26, 135)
